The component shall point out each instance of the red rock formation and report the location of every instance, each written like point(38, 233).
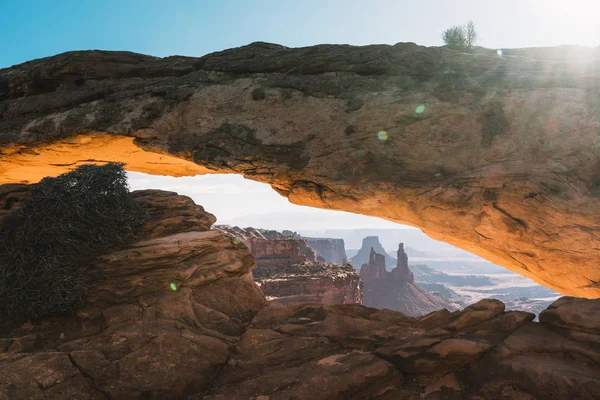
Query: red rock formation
point(215, 338)
point(161, 316)
point(311, 282)
point(397, 290)
point(288, 270)
point(402, 273)
point(278, 251)
point(375, 268)
point(369, 244)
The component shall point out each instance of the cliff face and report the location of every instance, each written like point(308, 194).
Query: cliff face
point(289, 270)
point(396, 289)
point(310, 282)
point(333, 251)
point(363, 256)
point(497, 155)
point(214, 337)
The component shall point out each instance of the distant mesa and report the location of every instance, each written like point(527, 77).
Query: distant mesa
point(425, 274)
point(363, 256)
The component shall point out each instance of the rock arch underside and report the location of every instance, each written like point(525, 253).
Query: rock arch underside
point(497, 155)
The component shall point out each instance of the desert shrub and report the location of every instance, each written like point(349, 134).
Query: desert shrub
point(63, 225)
point(461, 37)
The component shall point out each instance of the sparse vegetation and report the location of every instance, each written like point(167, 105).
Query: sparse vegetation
point(61, 228)
point(462, 38)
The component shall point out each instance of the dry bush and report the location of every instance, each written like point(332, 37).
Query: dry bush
point(61, 228)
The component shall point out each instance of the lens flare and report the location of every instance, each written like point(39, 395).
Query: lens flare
point(173, 286)
point(499, 52)
point(382, 136)
point(420, 109)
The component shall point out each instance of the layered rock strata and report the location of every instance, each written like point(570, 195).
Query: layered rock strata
point(290, 271)
point(396, 289)
point(498, 155)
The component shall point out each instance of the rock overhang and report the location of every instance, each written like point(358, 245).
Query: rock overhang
point(498, 156)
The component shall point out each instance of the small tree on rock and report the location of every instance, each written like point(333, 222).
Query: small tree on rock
point(462, 38)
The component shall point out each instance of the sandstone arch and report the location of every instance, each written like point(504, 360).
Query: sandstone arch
point(499, 156)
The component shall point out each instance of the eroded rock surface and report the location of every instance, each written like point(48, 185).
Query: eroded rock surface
point(355, 352)
point(216, 338)
point(160, 321)
point(497, 155)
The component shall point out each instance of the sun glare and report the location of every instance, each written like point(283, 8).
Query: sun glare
point(575, 19)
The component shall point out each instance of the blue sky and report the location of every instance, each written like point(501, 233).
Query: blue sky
point(32, 29)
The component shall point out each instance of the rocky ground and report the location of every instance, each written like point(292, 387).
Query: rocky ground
point(177, 316)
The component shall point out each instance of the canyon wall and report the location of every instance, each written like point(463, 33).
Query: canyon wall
point(333, 251)
point(289, 270)
point(498, 155)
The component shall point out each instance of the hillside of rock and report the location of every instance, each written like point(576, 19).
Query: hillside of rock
point(498, 155)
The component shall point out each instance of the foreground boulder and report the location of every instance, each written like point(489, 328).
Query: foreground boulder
point(355, 352)
point(498, 155)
